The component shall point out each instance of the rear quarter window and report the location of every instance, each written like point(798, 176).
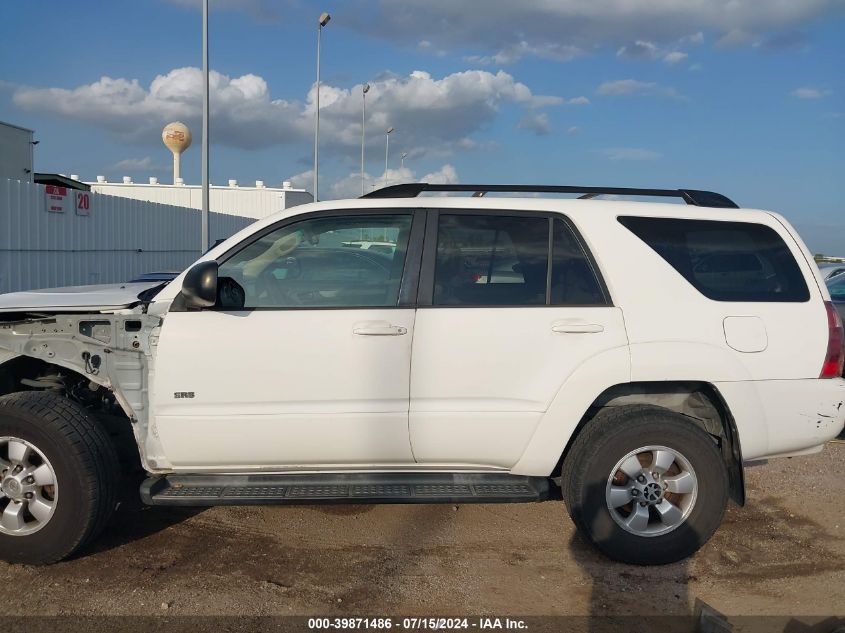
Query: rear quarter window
point(725, 261)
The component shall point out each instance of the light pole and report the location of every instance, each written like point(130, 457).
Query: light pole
point(324, 19)
point(364, 90)
point(387, 151)
point(205, 203)
point(402, 160)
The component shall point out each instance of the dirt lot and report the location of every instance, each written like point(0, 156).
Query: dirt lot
point(784, 553)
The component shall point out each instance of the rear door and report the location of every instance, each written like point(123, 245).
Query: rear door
point(510, 304)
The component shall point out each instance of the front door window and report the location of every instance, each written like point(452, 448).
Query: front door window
point(332, 262)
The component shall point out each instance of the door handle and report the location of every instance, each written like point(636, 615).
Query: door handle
point(378, 328)
point(576, 327)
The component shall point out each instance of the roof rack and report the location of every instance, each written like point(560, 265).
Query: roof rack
point(690, 196)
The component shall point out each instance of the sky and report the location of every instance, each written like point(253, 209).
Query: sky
point(744, 97)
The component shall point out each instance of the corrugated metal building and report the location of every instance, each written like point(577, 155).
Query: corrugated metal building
point(16, 150)
point(56, 236)
point(250, 202)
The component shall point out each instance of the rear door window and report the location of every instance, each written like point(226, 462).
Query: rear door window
point(491, 260)
point(501, 260)
point(725, 261)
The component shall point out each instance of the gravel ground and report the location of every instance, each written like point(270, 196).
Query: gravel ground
point(783, 554)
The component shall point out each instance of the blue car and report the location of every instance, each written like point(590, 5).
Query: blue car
point(836, 286)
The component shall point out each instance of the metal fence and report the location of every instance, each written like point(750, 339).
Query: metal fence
point(48, 239)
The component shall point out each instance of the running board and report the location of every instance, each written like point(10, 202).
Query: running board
point(212, 490)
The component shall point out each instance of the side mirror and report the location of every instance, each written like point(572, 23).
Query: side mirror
point(199, 290)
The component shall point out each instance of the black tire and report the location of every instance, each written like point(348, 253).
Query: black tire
point(604, 441)
point(86, 472)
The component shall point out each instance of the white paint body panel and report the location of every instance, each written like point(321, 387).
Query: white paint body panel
point(482, 378)
point(280, 388)
point(481, 387)
point(777, 417)
point(669, 322)
point(674, 333)
point(76, 298)
point(746, 334)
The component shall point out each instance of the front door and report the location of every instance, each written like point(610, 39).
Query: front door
point(304, 361)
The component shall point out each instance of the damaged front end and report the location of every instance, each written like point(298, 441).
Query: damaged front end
point(103, 361)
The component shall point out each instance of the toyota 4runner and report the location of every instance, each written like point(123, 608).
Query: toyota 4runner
point(627, 357)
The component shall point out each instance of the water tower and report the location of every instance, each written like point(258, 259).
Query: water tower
point(177, 137)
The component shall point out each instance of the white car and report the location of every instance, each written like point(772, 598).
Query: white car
point(634, 355)
point(365, 245)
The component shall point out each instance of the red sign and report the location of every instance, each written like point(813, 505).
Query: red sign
point(83, 203)
point(55, 198)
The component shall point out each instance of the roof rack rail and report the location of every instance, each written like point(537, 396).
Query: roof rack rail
point(690, 196)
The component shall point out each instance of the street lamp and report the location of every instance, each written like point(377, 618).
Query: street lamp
point(387, 151)
point(324, 19)
point(364, 90)
point(402, 160)
point(205, 114)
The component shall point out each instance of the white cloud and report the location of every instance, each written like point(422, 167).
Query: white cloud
point(537, 122)
point(807, 92)
point(694, 38)
point(640, 49)
point(304, 180)
point(572, 131)
point(634, 87)
point(444, 176)
point(736, 37)
point(145, 164)
point(512, 53)
point(429, 114)
point(675, 57)
point(629, 153)
point(505, 31)
point(350, 186)
point(582, 100)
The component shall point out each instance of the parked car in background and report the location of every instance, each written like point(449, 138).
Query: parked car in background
point(366, 245)
point(165, 275)
point(829, 271)
point(836, 287)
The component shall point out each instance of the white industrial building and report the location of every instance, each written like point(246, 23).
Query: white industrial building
point(16, 149)
point(255, 202)
point(58, 231)
point(57, 235)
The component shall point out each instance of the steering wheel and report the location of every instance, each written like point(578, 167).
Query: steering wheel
point(268, 285)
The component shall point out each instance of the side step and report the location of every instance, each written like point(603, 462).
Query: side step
point(212, 490)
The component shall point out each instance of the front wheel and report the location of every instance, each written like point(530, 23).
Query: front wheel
point(58, 477)
point(645, 485)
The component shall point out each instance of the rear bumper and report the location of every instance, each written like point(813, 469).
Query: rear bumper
point(785, 417)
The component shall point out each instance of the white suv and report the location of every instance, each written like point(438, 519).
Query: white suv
point(625, 356)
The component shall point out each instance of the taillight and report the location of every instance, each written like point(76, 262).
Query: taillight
point(833, 362)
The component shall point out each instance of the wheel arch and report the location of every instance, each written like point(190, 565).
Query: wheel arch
point(113, 419)
point(700, 401)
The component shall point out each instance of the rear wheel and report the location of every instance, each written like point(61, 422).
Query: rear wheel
point(645, 485)
point(58, 477)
